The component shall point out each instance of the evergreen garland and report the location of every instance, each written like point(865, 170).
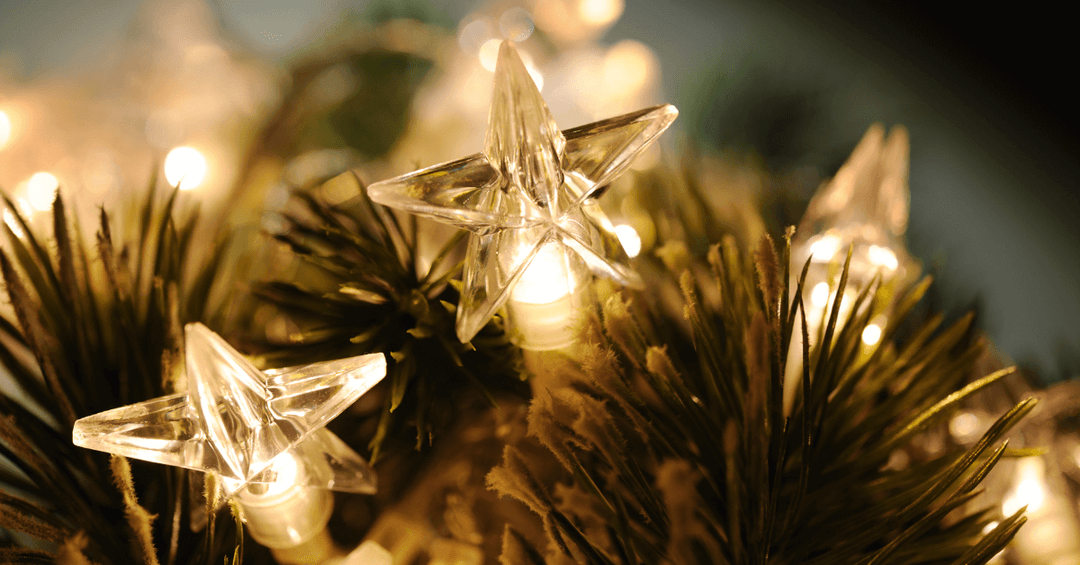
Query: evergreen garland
point(655, 457)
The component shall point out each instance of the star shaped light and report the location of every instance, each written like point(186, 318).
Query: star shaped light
point(240, 422)
point(532, 188)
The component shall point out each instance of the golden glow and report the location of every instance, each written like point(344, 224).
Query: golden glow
point(547, 279)
point(819, 297)
point(5, 129)
point(629, 66)
point(600, 12)
point(41, 190)
point(883, 256)
point(185, 167)
point(871, 334)
point(825, 248)
point(489, 54)
point(1030, 487)
point(629, 239)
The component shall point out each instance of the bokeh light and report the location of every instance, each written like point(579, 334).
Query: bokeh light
point(871, 334)
point(819, 297)
point(5, 128)
point(516, 24)
point(41, 190)
point(600, 12)
point(185, 167)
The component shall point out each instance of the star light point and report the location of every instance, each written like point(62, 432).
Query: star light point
point(532, 187)
point(240, 422)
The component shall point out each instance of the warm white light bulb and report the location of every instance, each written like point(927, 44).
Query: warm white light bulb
point(185, 167)
point(41, 190)
point(546, 279)
point(545, 304)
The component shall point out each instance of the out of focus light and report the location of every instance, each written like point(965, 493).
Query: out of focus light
point(185, 165)
point(628, 67)
point(600, 12)
point(5, 128)
point(41, 190)
point(883, 256)
point(489, 54)
point(489, 58)
point(871, 334)
point(629, 238)
point(964, 426)
point(819, 297)
point(1030, 489)
point(473, 35)
point(825, 248)
point(516, 24)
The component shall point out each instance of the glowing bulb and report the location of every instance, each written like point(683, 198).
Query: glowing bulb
point(545, 304)
point(489, 54)
point(600, 12)
point(825, 248)
point(546, 279)
point(41, 190)
point(871, 334)
point(1030, 490)
point(883, 256)
point(185, 167)
point(5, 128)
point(819, 297)
point(629, 239)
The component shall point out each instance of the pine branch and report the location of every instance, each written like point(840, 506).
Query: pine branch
point(96, 325)
point(365, 290)
point(678, 449)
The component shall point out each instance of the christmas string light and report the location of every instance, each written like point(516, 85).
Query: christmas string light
point(529, 201)
point(261, 432)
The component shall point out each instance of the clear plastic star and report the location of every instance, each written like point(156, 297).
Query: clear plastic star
point(532, 186)
point(238, 421)
point(865, 206)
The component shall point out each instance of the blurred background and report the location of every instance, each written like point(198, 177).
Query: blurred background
point(94, 93)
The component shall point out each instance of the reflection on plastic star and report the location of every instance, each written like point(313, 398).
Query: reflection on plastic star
point(237, 421)
point(532, 185)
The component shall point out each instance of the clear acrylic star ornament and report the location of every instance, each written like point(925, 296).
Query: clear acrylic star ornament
point(249, 426)
point(865, 206)
point(530, 193)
